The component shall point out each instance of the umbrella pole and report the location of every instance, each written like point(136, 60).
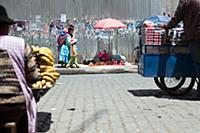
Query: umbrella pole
point(116, 42)
point(109, 46)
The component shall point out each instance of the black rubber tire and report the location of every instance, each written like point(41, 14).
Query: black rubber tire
point(178, 90)
point(178, 86)
point(157, 81)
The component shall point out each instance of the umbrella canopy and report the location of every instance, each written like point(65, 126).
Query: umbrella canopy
point(109, 23)
point(158, 19)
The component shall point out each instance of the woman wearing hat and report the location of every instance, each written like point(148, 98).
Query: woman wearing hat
point(17, 103)
point(64, 54)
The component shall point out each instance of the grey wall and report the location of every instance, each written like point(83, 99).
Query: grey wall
point(122, 9)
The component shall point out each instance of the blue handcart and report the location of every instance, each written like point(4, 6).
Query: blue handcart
point(170, 66)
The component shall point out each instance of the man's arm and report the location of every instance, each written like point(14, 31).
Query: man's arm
point(178, 16)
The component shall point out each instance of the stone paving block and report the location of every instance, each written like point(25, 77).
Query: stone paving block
point(90, 130)
point(65, 116)
point(116, 103)
point(118, 130)
point(62, 124)
point(61, 130)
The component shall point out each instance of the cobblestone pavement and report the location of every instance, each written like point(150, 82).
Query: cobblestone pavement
point(115, 103)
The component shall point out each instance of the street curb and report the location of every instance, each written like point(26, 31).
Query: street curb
point(93, 70)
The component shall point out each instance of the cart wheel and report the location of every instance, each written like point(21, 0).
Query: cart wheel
point(182, 85)
point(157, 81)
point(173, 83)
point(170, 83)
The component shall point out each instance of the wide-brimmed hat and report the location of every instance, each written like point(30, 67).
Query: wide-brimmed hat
point(4, 16)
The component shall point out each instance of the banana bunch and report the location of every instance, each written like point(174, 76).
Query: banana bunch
point(44, 55)
point(48, 77)
point(45, 62)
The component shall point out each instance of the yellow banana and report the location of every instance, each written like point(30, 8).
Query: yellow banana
point(42, 67)
point(51, 69)
point(49, 84)
point(40, 84)
point(44, 87)
point(47, 68)
point(34, 58)
point(38, 69)
point(43, 82)
point(46, 51)
point(35, 86)
point(49, 75)
point(46, 61)
point(56, 74)
point(47, 56)
point(45, 48)
point(48, 79)
point(35, 49)
point(32, 46)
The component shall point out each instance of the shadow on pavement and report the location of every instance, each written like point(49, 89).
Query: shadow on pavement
point(161, 94)
point(43, 121)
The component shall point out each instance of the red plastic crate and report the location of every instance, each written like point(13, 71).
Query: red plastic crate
point(152, 36)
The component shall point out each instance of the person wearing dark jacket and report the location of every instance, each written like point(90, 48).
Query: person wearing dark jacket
point(188, 11)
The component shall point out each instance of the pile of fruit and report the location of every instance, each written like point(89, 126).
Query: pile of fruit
point(115, 62)
point(45, 66)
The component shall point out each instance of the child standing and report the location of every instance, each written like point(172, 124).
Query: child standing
point(73, 58)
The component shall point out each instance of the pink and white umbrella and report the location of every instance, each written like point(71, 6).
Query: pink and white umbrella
point(109, 23)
